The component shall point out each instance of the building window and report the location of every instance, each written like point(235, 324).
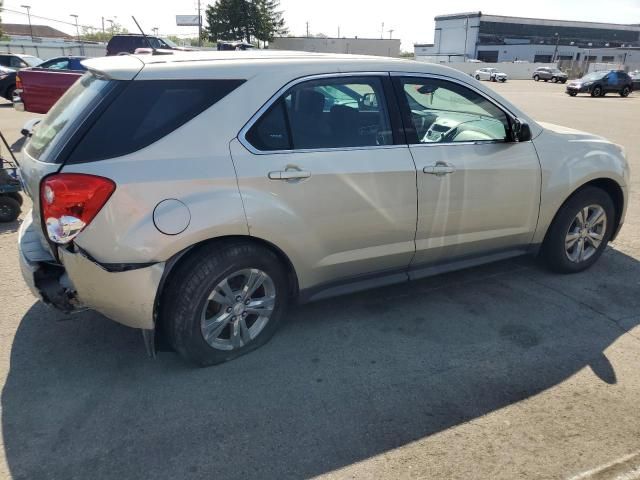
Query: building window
point(489, 56)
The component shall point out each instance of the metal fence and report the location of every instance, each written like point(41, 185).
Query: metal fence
point(46, 52)
point(576, 69)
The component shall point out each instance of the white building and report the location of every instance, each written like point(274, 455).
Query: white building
point(494, 38)
point(361, 46)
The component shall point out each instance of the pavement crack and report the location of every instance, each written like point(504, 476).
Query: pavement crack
point(612, 320)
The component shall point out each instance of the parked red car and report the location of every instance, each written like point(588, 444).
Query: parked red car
point(38, 88)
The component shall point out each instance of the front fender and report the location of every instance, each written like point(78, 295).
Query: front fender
point(569, 160)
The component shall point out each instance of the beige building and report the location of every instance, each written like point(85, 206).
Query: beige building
point(360, 46)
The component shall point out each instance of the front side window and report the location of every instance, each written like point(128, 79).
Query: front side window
point(328, 113)
point(446, 112)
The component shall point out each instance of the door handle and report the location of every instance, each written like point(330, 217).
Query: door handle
point(439, 169)
point(289, 175)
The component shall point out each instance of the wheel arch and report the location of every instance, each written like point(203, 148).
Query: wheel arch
point(610, 187)
point(181, 256)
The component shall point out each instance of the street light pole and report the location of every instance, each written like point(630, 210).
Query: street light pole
point(555, 53)
point(78, 32)
point(28, 9)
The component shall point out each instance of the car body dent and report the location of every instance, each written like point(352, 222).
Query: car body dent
point(127, 297)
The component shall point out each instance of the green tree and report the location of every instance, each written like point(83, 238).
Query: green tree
point(95, 35)
point(244, 19)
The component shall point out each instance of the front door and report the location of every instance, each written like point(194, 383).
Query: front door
point(323, 177)
point(478, 192)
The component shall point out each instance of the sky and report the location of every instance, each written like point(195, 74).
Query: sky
point(410, 20)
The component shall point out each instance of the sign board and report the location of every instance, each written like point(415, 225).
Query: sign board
point(187, 20)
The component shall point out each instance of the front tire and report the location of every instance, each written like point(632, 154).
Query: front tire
point(478, 77)
point(597, 92)
point(554, 80)
point(224, 300)
point(580, 232)
point(536, 78)
point(573, 94)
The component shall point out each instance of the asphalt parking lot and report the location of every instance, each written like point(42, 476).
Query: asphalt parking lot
point(500, 372)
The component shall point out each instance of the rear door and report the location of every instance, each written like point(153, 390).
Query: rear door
point(478, 192)
point(324, 175)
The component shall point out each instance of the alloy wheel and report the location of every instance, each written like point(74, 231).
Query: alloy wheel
point(586, 233)
point(238, 309)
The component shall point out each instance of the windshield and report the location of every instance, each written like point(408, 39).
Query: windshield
point(65, 113)
point(591, 77)
point(31, 60)
point(169, 42)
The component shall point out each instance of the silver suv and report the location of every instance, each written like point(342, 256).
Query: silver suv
point(550, 73)
point(195, 195)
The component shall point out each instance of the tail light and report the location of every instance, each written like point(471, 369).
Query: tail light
point(18, 82)
point(70, 201)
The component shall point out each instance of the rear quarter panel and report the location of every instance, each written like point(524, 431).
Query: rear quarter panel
point(191, 164)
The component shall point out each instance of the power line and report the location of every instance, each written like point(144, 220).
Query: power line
point(46, 18)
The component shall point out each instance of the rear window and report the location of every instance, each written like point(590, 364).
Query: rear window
point(64, 117)
point(144, 112)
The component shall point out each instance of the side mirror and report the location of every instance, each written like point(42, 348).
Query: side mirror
point(370, 100)
point(520, 131)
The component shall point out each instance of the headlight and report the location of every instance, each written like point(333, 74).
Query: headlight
point(2, 77)
point(587, 84)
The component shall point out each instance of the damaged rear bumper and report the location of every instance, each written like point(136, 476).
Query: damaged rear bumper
point(76, 282)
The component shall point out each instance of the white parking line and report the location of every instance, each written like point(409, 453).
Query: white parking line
point(623, 468)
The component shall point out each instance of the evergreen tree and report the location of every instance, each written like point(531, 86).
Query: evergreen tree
point(244, 19)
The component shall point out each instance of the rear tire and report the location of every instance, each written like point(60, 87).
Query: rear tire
point(559, 254)
point(625, 92)
point(203, 303)
point(9, 209)
point(477, 77)
point(554, 80)
point(17, 197)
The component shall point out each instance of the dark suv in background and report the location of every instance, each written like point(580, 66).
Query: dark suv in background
point(598, 84)
point(129, 43)
point(550, 73)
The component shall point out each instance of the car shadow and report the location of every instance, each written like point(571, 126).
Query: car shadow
point(10, 227)
point(344, 379)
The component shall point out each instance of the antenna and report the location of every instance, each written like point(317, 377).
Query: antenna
point(153, 50)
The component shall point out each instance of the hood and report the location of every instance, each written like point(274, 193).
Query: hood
point(571, 132)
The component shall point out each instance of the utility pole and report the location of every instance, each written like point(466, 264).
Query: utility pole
point(338, 31)
point(199, 25)
point(466, 34)
point(391, 30)
point(102, 24)
point(112, 28)
point(382, 31)
point(155, 31)
point(28, 8)
point(307, 29)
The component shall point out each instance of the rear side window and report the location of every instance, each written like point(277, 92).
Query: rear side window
point(341, 112)
point(146, 111)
